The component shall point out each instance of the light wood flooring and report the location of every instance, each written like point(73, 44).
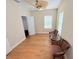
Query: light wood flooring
point(35, 47)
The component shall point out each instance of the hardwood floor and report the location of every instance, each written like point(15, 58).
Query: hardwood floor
point(35, 47)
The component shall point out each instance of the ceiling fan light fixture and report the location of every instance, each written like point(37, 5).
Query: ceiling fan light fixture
point(41, 9)
point(41, 4)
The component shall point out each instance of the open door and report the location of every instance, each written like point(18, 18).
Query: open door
point(29, 25)
point(25, 25)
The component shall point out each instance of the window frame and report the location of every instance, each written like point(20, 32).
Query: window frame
point(51, 22)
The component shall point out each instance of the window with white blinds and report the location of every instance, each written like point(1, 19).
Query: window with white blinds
point(48, 22)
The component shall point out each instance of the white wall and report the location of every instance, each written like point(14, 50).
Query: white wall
point(14, 26)
point(39, 19)
point(67, 31)
point(7, 45)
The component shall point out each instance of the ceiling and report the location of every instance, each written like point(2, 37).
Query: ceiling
point(52, 4)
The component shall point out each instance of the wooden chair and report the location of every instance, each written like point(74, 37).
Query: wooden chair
point(64, 46)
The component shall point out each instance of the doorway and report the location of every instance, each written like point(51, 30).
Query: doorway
point(25, 25)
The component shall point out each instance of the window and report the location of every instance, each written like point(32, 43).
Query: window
point(60, 20)
point(48, 20)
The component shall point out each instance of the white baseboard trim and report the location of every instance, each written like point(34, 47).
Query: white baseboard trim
point(32, 33)
point(15, 45)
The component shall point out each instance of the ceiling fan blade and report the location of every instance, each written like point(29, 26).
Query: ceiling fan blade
point(37, 3)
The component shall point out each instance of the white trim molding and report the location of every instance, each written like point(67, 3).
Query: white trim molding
point(15, 46)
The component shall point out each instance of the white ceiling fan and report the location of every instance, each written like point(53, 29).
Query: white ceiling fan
point(39, 4)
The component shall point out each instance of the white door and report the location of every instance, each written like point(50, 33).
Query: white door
point(31, 25)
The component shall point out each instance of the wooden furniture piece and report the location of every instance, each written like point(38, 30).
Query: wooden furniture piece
point(64, 46)
point(59, 47)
